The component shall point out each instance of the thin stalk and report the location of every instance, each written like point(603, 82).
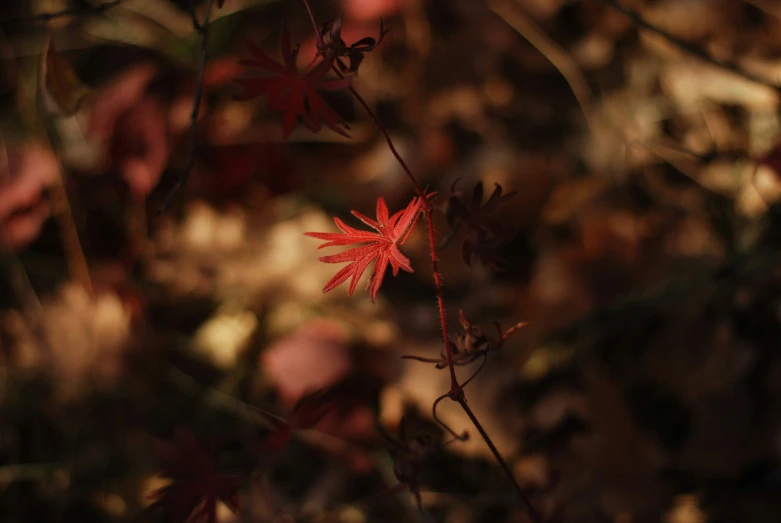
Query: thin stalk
point(69, 233)
point(460, 437)
point(203, 29)
point(62, 210)
point(499, 459)
point(314, 24)
point(455, 388)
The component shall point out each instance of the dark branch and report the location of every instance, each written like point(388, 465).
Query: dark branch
point(690, 48)
point(203, 29)
point(460, 437)
point(535, 516)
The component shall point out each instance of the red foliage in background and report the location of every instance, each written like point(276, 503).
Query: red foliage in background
point(291, 92)
point(26, 172)
point(196, 484)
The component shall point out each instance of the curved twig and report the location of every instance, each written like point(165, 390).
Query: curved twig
point(506, 334)
point(461, 437)
point(517, 19)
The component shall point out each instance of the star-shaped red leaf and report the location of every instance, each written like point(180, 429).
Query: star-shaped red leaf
point(196, 484)
point(294, 94)
point(382, 246)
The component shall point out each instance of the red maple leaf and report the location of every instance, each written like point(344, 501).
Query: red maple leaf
point(289, 91)
point(196, 484)
point(381, 246)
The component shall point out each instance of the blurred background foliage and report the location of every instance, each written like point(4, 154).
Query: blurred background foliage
point(645, 256)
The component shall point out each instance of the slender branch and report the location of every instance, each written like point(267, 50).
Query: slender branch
point(499, 459)
point(69, 11)
point(62, 210)
point(515, 17)
point(314, 24)
point(69, 233)
point(690, 48)
point(428, 210)
point(475, 373)
point(455, 388)
point(194, 18)
point(456, 392)
point(203, 29)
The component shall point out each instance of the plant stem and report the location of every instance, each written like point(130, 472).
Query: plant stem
point(69, 233)
point(314, 24)
point(203, 29)
point(62, 212)
point(456, 390)
point(512, 13)
point(502, 463)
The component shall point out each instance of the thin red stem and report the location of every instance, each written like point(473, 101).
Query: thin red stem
point(314, 24)
point(499, 459)
point(203, 29)
point(455, 388)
